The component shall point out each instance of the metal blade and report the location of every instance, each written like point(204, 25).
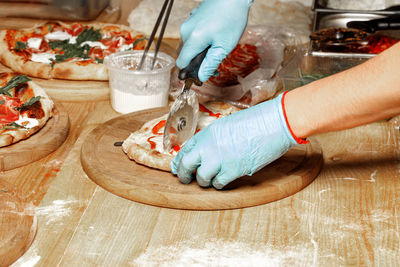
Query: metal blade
point(182, 119)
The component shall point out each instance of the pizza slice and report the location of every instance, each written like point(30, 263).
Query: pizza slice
point(145, 146)
point(24, 108)
point(66, 51)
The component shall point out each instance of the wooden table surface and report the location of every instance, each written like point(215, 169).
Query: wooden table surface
point(350, 214)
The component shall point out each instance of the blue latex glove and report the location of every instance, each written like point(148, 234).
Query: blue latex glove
point(219, 23)
point(237, 145)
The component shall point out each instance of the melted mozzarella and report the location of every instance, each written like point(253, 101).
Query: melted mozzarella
point(34, 43)
point(43, 57)
point(93, 44)
point(58, 35)
point(72, 40)
point(31, 122)
point(204, 120)
point(126, 47)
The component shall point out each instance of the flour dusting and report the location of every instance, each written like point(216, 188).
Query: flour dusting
point(58, 210)
point(372, 177)
point(30, 259)
point(227, 253)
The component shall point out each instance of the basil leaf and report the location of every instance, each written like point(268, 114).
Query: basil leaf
point(138, 41)
point(12, 126)
point(30, 102)
point(15, 81)
point(20, 45)
point(2, 102)
point(88, 35)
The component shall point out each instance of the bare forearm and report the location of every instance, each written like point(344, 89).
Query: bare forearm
point(363, 94)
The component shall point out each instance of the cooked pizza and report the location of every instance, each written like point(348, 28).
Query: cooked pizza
point(66, 51)
point(145, 146)
point(24, 108)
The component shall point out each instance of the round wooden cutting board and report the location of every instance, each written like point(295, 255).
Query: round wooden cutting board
point(109, 167)
point(18, 225)
point(39, 145)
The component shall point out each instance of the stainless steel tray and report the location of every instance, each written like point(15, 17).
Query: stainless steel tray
point(339, 20)
point(53, 9)
point(322, 6)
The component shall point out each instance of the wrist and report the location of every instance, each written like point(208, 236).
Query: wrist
point(296, 116)
point(295, 137)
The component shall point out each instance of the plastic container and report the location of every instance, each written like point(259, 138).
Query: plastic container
point(132, 89)
point(309, 68)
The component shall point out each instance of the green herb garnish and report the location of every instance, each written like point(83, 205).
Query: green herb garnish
point(30, 102)
point(88, 35)
point(2, 102)
point(75, 50)
point(13, 126)
point(138, 41)
point(50, 28)
point(15, 81)
point(20, 46)
point(99, 60)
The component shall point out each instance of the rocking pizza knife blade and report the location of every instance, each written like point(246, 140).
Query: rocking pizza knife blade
point(183, 116)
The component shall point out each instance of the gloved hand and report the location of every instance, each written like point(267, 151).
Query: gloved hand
point(219, 23)
point(237, 145)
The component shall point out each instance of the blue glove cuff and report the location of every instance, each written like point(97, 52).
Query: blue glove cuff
point(283, 119)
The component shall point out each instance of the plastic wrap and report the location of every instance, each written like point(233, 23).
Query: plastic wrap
point(272, 46)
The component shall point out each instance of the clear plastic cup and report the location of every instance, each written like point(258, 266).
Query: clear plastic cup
point(132, 89)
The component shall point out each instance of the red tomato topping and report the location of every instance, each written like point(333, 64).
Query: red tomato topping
point(7, 112)
point(44, 46)
point(96, 52)
point(75, 29)
point(157, 127)
point(176, 148)
point(152, 143)
point(210, 113)
point(110, 42)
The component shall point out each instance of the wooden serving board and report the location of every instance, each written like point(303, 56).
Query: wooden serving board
point(39, 145)
point(109, 167)
point(18, 225)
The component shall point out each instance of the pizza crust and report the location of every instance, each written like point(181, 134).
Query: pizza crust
point(138, 148)
point(9, 137)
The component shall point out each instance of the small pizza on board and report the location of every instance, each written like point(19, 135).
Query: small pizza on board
point(24, 108)
point(66, 51)
point(145, 146)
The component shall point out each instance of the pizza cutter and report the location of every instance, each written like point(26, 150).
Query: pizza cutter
point(182, 118)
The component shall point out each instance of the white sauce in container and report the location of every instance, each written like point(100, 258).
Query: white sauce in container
point(132, 89)
point(124, 102)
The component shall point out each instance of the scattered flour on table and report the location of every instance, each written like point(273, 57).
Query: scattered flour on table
point(29, 259)
point(55, 212)
point(225, 253)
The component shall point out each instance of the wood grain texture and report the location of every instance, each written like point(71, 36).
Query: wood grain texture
point(348, 216)
point(18, 224)
point(39, 145)
point(109, 167)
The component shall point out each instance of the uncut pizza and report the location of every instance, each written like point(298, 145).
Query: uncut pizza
point(66, 51)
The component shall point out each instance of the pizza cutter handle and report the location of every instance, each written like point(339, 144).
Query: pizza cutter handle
point(192, 70)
